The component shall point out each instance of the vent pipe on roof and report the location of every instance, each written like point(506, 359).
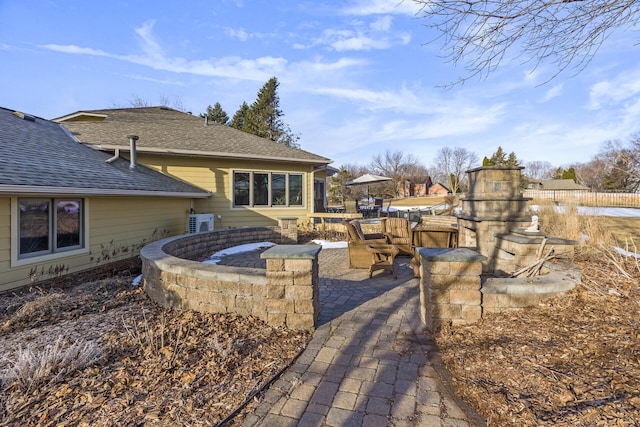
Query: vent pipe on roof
point(206, 121)
point(132, 152)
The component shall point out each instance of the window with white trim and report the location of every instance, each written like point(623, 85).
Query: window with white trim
point(48, 226)
point(267, 189)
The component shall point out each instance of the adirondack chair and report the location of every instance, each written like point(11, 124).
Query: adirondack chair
point(367, 250)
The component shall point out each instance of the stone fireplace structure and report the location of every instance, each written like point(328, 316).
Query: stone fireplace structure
point(496, 238)
point(493, 206)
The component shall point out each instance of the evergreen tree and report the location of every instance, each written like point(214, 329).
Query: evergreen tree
point(570, 174)
point(499, 158)
point(240, 119)
point(558, 173)
point(512, 160)
point(618, 178)
point(265, 113)
point(216, 114)
point(338, 191)
point(264, 116)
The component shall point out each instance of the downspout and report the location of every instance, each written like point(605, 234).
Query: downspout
point(132, 154)
point(116, 155)
point(313, 190)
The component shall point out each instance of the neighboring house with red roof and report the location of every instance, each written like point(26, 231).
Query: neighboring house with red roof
point(438, 189)
point(66, 207)
point(421, 186)
point(253, 181)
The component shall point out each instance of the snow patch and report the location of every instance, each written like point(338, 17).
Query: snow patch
point(247, 247)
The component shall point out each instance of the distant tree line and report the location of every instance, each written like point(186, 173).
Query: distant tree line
point(615, 168)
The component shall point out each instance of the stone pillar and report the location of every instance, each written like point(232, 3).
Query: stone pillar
point(288, 230)
point(292, 292)
point(450, 286)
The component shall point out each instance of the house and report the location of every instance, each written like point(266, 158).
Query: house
point(556, 185)
point(421, 186)
point(66, 207)
point(253, 181)
point(438, 189)
point(414, 186)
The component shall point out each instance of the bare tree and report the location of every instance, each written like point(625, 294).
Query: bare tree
point(136, 101)
point(396, 165)
point(593, 172)
point(451, 165)
point(339, 191)
point(623, 159)
point(482, 34)
point(539, 170)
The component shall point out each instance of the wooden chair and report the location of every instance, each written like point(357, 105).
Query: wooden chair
point(398, 232)
point(357, 241)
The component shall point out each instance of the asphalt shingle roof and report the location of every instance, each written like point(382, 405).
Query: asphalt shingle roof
point(561, 184)
point(165, 130)
point(42, 155)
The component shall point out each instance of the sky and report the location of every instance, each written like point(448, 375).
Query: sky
point(357, 78)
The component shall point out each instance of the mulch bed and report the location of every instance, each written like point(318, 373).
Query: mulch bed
point(155, 366)
point(572, 361)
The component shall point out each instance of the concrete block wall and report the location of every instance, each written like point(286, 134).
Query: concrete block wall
point(285, 294)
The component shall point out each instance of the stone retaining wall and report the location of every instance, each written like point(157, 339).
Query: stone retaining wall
point(286, 294)
point(452, 290)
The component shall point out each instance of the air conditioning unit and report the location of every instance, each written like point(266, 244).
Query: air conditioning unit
point(199, 223)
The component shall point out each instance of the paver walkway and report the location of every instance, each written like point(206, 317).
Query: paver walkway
point(368, 363)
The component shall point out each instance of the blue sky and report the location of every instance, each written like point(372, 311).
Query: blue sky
point(356, 77)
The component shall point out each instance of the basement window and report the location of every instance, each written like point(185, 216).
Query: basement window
point(48, 226)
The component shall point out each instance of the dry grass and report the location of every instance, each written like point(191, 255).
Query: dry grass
point(32, 367)
point(593, 232)
point(44, 306)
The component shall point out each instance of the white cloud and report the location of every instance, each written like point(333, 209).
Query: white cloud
point(360, 43)
point(622, 88)
point(239, 34)
point(149, 43)
point(73, 49)
point(552, 93)
point(382, 24)
point(377, 7)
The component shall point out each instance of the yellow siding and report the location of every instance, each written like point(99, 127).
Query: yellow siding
point(117, 229)
point(5, 235)
point(215, 176)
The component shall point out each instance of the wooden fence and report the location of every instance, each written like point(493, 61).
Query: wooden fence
point(586, 198)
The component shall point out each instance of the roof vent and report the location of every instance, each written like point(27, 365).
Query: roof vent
point(24, 116)
point(132, 152)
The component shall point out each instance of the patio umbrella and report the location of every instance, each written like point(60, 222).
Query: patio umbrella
point(368, 179)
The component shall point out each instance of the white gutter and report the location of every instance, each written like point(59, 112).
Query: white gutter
point(108, 147)
point(34, 189)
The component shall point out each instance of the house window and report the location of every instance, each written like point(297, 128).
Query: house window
point(267, 189)
point(49, 226)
